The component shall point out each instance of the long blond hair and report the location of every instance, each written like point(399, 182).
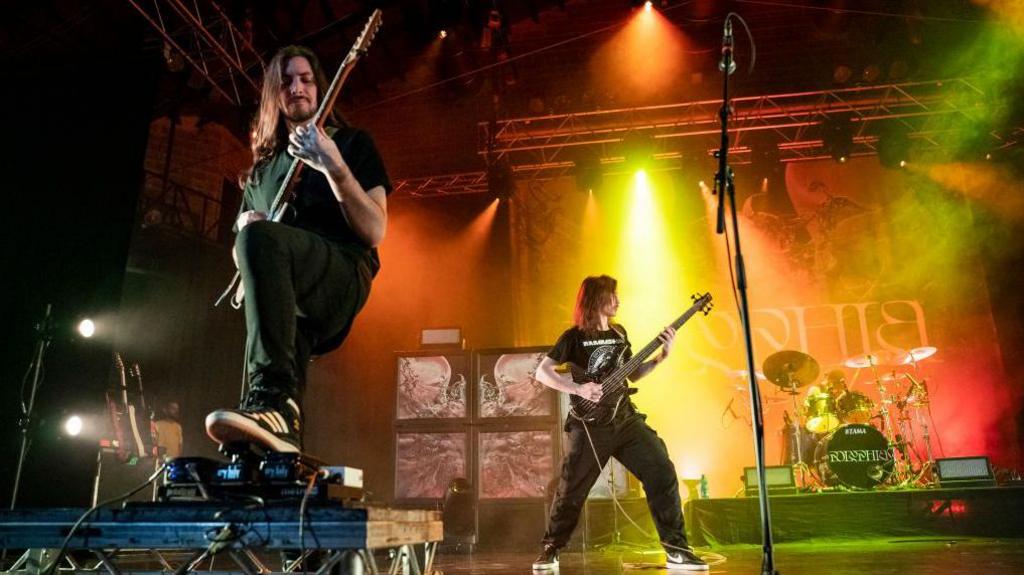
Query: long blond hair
point(269, 132)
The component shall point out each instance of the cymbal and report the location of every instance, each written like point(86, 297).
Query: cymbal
point(919, 353)
point(891, 376)
point(788, 369)
point(875, 358)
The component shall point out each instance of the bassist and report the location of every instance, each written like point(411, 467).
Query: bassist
point(596, 345)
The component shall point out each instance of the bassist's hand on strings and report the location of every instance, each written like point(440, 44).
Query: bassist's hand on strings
point(590, 391)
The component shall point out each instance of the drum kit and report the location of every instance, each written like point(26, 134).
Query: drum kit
point(841, 438)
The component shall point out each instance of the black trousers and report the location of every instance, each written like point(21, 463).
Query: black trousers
point(300, 290)
point(641, 451)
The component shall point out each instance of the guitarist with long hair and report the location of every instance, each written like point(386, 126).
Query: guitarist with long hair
point(596, 345)
point(304, 278)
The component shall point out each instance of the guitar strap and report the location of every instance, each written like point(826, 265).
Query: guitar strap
point(622, 334)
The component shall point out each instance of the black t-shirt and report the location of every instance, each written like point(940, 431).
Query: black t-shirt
point(595, 353)
point(315, 208)
point(592, 353)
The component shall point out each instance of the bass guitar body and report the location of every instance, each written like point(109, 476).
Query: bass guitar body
point(600, 412)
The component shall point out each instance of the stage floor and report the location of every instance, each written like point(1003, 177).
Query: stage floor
point(893, 556)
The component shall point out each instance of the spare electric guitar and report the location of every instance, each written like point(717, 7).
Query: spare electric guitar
point(614, 378)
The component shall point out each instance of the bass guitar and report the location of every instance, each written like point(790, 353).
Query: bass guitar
point(614, 378)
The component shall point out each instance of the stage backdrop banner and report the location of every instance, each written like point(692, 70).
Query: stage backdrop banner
point(842, 260)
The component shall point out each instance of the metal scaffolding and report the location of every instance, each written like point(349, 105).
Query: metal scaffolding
point(929, 114)
point(204, 36)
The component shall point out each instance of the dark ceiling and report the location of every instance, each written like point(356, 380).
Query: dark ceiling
point(801, 45)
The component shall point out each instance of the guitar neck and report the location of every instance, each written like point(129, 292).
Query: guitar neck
point(280, 203)
point(618, 377)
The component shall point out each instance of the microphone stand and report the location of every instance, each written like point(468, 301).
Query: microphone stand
point(724, 187)
point(26, 423)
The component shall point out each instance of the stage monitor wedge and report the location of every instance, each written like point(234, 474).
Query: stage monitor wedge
point(779, 478)
point(965, 472)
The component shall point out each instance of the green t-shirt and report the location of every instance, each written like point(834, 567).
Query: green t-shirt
point(315, 208)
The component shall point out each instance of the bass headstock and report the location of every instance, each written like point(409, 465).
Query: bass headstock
point(702, 302)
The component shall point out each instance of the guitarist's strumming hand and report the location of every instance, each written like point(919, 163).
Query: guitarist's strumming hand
point(248, 217)
point(365, 211)
point(317, 150)
point(590, 391)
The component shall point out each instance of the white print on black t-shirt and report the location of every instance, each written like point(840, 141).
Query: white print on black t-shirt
point(600, 358)
point(594, 342)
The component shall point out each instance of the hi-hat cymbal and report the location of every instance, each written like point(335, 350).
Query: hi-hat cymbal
point(876, 358)
point(788, 369)
point(919, 353)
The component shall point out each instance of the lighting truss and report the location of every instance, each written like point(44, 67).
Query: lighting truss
point(205, 37)
point(542, 147)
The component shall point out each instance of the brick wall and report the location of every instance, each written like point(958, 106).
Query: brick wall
point(205, 161)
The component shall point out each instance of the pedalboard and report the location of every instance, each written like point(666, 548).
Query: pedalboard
point(274, 477)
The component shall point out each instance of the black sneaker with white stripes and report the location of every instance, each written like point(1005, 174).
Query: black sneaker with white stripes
point(683, 558)
point(267, 418)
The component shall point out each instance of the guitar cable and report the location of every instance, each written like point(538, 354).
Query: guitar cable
point(74, 528)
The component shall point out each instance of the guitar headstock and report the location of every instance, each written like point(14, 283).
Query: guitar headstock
point(118, 361)
point(703, 302)
point(362, 44)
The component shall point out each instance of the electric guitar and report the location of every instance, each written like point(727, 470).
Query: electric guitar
point(614, 378)
point(138, 448)
point(286, 192)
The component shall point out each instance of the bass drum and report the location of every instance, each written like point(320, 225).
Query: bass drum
point(855, 456)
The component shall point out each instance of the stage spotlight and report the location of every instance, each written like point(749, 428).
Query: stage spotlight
point(501, 182)
point(587, 170)
point(837, 137)
point(638, 150)
point(648, 6)
point(442, 34)
point(86, 328)
point(842, 74)
point(764, 157)
point(893, 148)
point(73, 426)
